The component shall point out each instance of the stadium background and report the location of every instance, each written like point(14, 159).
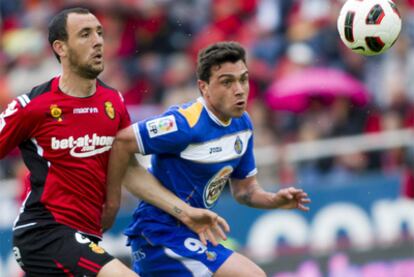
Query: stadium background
point(354, 157)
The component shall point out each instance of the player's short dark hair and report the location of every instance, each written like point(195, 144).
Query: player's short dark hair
point(217, 54)
point(57, 26)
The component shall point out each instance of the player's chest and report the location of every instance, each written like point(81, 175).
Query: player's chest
point(78, 130)
point(213, 180)
point(221, 149)
point(78, 118)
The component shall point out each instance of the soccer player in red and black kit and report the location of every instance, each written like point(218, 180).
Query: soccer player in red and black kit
point(65, 129)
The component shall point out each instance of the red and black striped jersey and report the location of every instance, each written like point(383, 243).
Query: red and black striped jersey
point(65, 143)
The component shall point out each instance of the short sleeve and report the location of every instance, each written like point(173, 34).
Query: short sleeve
point(16, 125)
point(125, 117)
point(168, 133)
point(247, 165)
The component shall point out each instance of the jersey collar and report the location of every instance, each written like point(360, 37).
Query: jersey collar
point(212, 115)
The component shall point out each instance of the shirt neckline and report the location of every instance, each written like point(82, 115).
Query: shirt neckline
point(212, 115)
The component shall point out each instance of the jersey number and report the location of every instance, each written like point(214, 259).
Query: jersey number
point(195, 245)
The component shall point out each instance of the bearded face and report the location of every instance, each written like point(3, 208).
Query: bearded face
point(83, 50)
point(86, 67)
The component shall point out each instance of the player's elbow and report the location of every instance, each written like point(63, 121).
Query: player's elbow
point(238, 196)
point(244, 196)
point(125, 141)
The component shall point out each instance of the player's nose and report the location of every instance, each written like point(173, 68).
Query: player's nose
point(97, 40)
point(238, 88)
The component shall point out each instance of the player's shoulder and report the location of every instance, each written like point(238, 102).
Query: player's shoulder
point(36, 95)
point(105, 86)
point(110, 91)
point(40, 89)
point(243, 122)
point(191, 112)
point(246, 117)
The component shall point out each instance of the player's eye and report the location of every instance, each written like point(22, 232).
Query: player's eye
point(226, 83)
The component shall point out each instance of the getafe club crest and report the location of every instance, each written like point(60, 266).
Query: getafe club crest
point(238, 145)
point(211, 255)
point(109, 109)
point(56, 112)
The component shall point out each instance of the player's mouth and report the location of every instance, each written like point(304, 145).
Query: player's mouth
point(97, 57)
point(241, 103)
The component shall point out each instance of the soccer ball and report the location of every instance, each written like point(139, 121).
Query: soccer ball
point(369, 27)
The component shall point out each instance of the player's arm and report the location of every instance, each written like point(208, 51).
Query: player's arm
point(248, 192)
point(121, 151)
point(145, 186)
point(15, 125)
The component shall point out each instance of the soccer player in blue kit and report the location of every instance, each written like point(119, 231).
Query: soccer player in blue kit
point(197, 148)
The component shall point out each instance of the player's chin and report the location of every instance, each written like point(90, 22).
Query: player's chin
point(98, 67)
point(92, 71)
point(238, 112)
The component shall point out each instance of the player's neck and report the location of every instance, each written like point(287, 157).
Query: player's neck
point(76, 86)
point(215, 114)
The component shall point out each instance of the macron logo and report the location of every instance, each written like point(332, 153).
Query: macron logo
point(85, 110)
point(85, 146)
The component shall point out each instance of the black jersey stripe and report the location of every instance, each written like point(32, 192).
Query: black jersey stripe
point(101, 83)
point(40, 89)
point(34, 212)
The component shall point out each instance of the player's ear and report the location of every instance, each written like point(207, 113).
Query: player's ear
point(203, 87)
point(59, 47)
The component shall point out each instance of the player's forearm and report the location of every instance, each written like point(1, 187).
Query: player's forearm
point(108, 216)
point(145, 186)
point(118, 163)
point(113, 189)
point(113, 194)
point(254, 196)
point(123, 148)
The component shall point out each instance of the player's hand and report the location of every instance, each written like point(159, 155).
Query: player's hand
point(291, 198)
point(207, 224)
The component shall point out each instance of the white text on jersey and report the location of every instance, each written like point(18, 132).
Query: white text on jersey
point(85, 110)
point(85, 146)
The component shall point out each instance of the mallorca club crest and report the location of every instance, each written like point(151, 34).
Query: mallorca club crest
point(96, 248)
point(56, 112)
point(109, 109)
point(238, 145)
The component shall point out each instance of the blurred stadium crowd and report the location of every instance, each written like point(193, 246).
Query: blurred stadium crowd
point(151, 48)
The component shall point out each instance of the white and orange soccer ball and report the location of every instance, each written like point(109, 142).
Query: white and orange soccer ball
point(369, 27)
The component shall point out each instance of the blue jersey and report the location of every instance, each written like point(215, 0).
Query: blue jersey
point(194, 155)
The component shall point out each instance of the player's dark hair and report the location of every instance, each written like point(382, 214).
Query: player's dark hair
point(217, 54)
point(57, 26)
